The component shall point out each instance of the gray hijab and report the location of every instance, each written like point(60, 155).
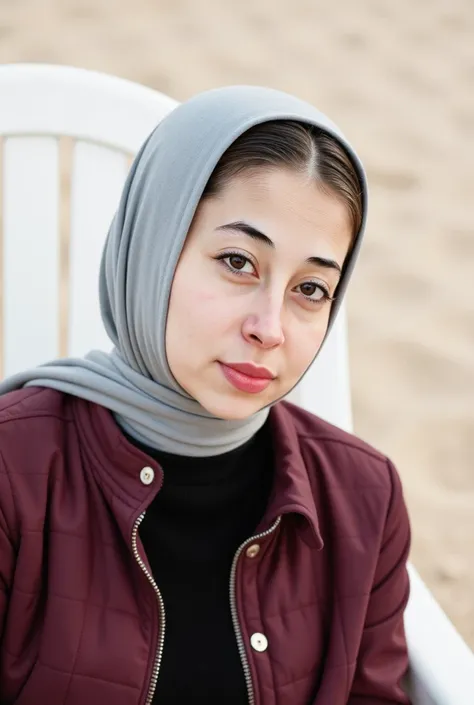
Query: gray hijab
point(141, 252)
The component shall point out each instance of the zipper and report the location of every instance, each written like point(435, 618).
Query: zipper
point(161, 605)
point(233, 609)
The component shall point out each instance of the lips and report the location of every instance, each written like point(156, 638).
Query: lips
point(247, 377)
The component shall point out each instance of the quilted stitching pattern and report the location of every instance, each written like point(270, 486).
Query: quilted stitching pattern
point(81, 620)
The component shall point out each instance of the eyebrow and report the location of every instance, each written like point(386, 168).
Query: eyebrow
point(250, 231)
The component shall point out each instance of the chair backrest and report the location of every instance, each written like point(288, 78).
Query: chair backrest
point(66, 140)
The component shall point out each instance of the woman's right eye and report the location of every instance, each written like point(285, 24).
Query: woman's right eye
point(237, 263)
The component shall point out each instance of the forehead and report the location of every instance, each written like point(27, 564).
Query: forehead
point(285, 190)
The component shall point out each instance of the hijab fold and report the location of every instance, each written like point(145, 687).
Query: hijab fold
point(141, 252)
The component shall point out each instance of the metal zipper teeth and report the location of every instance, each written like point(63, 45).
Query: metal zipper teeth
point(233, 609)
point(161, 638)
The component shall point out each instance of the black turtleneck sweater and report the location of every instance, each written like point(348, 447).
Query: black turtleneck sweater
point(205, 509)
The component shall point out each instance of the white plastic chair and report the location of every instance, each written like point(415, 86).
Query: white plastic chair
point(48, 278)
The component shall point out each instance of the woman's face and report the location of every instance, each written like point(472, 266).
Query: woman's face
point(249, 304)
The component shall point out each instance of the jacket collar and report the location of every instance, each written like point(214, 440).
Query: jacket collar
point(119, 465)
point(116, 463)
point(292, 490)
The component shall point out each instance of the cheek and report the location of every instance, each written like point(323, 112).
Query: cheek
point(303, 346)
point(196, 316)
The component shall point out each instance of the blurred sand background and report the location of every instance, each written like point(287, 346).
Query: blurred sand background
point(399, 79)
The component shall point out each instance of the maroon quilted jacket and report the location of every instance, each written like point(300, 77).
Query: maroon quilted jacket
point(317, 596)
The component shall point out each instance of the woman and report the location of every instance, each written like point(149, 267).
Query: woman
point(171, 531)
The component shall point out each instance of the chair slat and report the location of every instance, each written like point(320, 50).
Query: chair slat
point(98, 175)
point(30, 252)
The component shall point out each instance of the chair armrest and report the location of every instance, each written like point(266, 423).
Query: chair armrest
point(441, 663)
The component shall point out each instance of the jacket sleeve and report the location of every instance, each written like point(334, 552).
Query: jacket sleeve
point(383, 660)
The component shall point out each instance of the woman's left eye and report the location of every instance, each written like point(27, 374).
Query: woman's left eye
point(314, 292)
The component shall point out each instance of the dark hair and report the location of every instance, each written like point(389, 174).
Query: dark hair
point(287, 143)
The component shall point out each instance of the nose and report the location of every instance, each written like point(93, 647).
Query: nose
point(263, 327)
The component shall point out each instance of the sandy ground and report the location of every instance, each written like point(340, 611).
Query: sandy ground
point(398, 77)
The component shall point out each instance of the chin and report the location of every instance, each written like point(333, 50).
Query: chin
point(232, 409)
